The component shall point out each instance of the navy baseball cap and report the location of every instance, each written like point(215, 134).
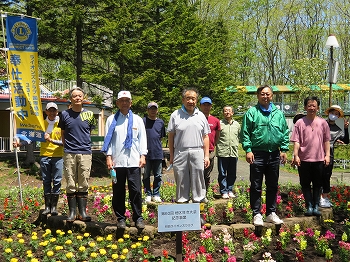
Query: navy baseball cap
point(205, 100)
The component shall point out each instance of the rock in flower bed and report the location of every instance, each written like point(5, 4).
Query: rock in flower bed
point(23, 238)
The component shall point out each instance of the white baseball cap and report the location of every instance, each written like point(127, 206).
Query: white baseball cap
point(122, 94)
point(51, 104)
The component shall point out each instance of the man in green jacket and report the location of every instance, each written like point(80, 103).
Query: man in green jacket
point(265, 139)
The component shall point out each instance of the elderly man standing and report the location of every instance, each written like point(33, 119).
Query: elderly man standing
point(214, 124)
point(76, 124)
point(227, 152)
point(125, 146)
point(265, 139)
point(189, 148)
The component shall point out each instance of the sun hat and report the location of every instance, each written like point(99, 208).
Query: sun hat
point(337, 108)
point(205, 100)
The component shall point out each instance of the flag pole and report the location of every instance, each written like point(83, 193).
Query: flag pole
point(12, 120)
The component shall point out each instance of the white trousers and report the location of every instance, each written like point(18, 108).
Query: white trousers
point(188, 167)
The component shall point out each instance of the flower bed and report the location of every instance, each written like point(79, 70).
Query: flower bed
point(22, 239)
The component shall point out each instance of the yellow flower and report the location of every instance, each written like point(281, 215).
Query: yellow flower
point(19, 235)
point(139, 239)
point(62, 233)
point(138, 244)
point(201, 206)
point(8, 250)
point(29, 252)
point(34, 233)
point(82, 248)
point(47, 231)
point(34, 237)
point(92, 244)
point(125, 251)
point(144, 208)
point(52, 240)
point(29, 255)
point(86, 234)
point(145, 238)
point(58, 231)
point(44, 243)
point(126, 236)
point(50, 253)
point(34, 260)
point(114, 246)
point(57, 248)
point(68, 242)
point(122, 257)
point(99, 239)
point(9, 240)
point(103, 251)
point(70, 232)
point(79, 237)
point(229, 204)
point(109, 238)
point(13, 259)
point(93, 254)
point(69, 255)
point(114, 256)
point(120, 240)
point(133, 246)
point(21, 241)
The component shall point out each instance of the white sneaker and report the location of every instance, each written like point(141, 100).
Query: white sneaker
point(156, 199)
point(231, 195)
point(324, 202)
point(258, 220)
point(273, 218)
point(148, 199)
point(225, 196)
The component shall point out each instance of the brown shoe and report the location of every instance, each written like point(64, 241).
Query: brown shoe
point(140, 224)
point(121, 224)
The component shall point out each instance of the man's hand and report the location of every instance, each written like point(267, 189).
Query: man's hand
point(283, 157)
point(142, 161)
point(109, 162)
point(249, 157)
point(206, 162)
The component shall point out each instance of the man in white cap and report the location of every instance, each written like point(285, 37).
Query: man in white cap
point(337, 135)
point(155, 132)
point(51, 162)
point(125, 147)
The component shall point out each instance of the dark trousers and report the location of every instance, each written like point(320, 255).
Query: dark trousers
point(133, 175)
point(227, 168)
point(311, 172)
point(326, 177)
point(207, 171)
point(265, 163)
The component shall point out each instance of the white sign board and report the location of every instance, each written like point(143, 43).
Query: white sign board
point(178, 217)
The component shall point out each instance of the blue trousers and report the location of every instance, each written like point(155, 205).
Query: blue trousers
point(51, 173)
point(227, 168)
point(155, 166)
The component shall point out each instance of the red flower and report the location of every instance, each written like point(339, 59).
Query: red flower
point(202, 249)
point(36, 203)
point(145, 251)
point(165, 253)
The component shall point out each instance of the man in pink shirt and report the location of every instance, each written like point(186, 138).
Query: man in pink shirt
point(311, 153)
point(214, 124)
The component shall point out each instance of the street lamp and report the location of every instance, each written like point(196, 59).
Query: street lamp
point(332, 64)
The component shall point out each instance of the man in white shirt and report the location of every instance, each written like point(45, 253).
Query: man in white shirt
point(125, 146)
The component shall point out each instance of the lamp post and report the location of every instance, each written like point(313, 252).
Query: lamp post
point(332, 64)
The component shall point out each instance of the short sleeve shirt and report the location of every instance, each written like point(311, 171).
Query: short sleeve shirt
point(311, 135)
point(189, 129)
point(214, 124)
point(155, 132)
point(77, 127)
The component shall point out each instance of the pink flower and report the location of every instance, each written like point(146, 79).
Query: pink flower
point(127, 213)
